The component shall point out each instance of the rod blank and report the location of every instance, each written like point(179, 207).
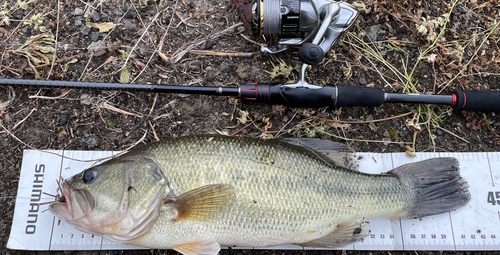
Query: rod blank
point(333, 96)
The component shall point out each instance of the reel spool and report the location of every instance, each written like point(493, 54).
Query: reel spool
point(299, 21)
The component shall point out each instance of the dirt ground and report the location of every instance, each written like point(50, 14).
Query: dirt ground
point(382, 51)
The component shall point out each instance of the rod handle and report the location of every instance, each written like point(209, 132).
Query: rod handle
point(359, 96)
point(333, 96)
point(476, 100)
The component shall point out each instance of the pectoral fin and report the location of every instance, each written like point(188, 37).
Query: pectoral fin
point(198, 248)
point(343, 235)
point(204, 203)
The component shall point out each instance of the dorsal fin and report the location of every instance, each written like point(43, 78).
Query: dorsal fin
point(333, 153)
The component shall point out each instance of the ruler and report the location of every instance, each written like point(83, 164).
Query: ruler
point(475, 226)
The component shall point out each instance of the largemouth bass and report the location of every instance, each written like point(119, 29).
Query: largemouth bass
point(193, 194)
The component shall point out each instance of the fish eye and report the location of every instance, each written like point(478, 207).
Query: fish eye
point(89, 176)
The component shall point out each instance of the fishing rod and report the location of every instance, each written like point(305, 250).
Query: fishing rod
point(299, 94)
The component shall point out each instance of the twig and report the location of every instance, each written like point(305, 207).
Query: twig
point(23, 120)
point(363, 140)
point(55, 43)
point(368, 121)
point(54, 98)
point(193, 78)
point(87, 4)
point(130, 147)
point(87, 65)
point(160, 47)
point(157, 50)
point(250, 40)
point(20, 23)
point(154, 132)
point(180, 53)
point(278, 134)
point(103, 64)
point(112, 108)
point(364, 66)
point(241, 129)
point(184, 20)
point(140, 19)
point(10, 68)
point(153, 106)
point(226, 54)
point(140, 39)
point(435, 78)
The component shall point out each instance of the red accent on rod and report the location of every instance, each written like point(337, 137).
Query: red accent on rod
point(255, 89)
point(454, 100)
point(465, 99)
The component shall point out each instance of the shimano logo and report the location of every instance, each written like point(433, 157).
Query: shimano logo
point(36, 194)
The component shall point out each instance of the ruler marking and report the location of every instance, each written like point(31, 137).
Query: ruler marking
point(402, 237)
point(52, 232)
point(452, 232)
point(54, 219)
point(491, 172)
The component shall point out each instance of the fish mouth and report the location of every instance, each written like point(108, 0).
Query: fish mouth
point(71, 204)
point(62, 205)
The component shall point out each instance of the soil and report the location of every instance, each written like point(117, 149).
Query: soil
point(91, 119)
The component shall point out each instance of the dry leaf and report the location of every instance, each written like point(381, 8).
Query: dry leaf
point(103, 27)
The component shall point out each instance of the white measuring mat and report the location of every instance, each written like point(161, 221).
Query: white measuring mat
point(473, 227)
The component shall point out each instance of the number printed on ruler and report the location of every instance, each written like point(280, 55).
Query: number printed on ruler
point(494, 197)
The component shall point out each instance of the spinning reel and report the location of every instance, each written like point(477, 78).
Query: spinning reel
point(315, 25)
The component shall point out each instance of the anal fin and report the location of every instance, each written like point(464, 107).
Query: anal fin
point(198, 248)
point(343, 235)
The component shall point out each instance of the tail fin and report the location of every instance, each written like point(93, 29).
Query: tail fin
point(435, 186)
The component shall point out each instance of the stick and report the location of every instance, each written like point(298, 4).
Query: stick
point(179, 54)
point(226, 54)
point(140, 39)
point(23, 120)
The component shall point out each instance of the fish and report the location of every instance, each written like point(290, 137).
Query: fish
point(195, 194)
